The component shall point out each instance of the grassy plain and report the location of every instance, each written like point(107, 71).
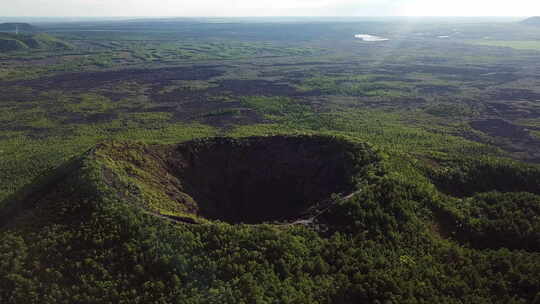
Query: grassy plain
point(518, 45)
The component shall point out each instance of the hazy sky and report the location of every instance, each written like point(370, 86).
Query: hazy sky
point(56, 8)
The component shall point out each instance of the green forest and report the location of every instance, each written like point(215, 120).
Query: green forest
point(269, 162)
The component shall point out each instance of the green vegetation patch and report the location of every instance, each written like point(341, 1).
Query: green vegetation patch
point(357, 86)
point(379, 233)
point(160, 213)
point(12, 42)
point(274, 106)
point(514, 44)
point(90, 104)
point(495, 219)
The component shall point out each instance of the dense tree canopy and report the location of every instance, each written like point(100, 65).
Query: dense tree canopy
point(80, 243)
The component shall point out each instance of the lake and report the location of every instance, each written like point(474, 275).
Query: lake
point(370, 38)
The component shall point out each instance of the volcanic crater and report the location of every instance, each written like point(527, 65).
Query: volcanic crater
point(249, 180)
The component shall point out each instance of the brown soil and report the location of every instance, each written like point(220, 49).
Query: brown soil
point(500, 127)
point(90, 80)
point(513, 138)
point(76, 118)
point(231, 88)
point(512, 110)
point(515, 94)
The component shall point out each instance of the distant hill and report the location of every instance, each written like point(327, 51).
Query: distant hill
point(532, 21)
point(12, 27)
point(10, 42)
